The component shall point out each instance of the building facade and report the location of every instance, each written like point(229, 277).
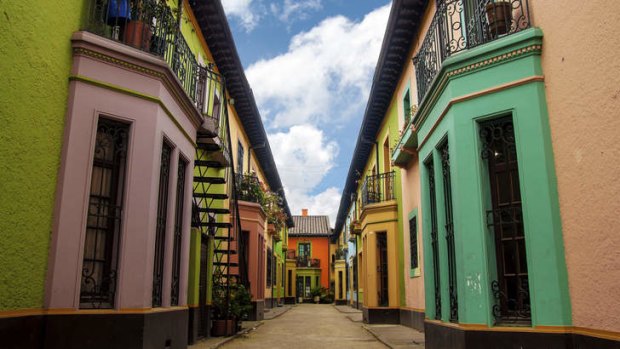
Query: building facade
point(308, 258)
point(137, 224)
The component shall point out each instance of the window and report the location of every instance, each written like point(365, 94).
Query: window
point(407, 107)
point(505, 218)
point(160, 228)
point(430, 169)
point(269, 267)
point(413, 242)
point(240, 154)
point(444, 151)
point(178, 231)
point(105, 207)
point(290, 283)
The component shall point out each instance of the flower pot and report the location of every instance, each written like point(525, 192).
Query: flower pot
point(499, 16)
point(317, 299)
point(223, 328)
point(300, 300)
point(138, 34)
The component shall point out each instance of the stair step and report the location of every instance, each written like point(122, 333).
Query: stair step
point(218, 237)
point(232, 264)
point(209, 146)
point(211, 196)
point(213, 210)
point(209, 163)
point(215, 224)
point(210, 180)
point(225, 251)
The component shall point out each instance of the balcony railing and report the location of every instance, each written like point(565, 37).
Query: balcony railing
point(463, 24)
point(249, 188)
point(152, 27)
point(378, 188)
point(307, 262)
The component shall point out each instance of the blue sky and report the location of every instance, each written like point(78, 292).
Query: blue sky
point(310, 65)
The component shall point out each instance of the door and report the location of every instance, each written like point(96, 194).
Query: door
point(300, 286)
point(382, 269)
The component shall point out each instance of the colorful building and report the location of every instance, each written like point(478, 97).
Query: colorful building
point(308, 258)
point(489, 154)
point(134, 148)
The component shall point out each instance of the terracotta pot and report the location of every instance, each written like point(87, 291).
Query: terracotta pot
point(317, 299)
point(499, 15)
point(138, 34)
point(223, 328)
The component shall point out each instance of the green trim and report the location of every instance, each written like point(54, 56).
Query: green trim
point(305, 242)
point(412, 213)
point(137, 94)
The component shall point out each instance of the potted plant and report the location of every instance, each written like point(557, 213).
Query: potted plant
point(240, 304)
point(316, 293)
point(499, 16)
point(145, 13)
point(223, 323)
point(273, 209)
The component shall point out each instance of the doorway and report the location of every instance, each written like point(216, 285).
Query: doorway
point(382, 269)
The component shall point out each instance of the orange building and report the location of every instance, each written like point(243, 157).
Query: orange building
point(307, 259)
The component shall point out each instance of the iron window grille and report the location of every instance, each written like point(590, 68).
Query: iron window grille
point(505, 220)
point(105, 209)
point(178, 232)
point(160, 230)
point(430, 169)
point(413, 242)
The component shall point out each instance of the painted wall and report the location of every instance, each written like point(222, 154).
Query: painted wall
point(319, 249)
point(580, 63)
point(36, 60)
point(410, 177)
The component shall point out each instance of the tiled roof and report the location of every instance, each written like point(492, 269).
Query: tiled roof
point(310, 225)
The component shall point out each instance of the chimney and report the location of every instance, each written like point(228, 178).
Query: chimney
point(304, 212)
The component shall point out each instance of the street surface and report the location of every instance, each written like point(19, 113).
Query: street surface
point(308, 326)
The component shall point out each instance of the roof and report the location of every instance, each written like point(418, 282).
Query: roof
point(310, 226)
point(214, 27)
point(402, 26)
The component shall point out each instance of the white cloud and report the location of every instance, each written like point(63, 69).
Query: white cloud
point(241, 9)
point(291, 10)
point(325, 75)
point(304, 157)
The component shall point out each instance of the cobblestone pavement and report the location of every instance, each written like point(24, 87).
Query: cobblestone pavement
point(308, 326)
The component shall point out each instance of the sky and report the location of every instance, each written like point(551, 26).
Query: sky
point(310, 65)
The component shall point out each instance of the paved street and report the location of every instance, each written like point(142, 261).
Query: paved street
point(308, 326)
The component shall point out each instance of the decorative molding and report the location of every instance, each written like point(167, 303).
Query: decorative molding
point(536, 48)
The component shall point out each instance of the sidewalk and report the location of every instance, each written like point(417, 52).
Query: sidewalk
point(393, 336)
point(246, 327)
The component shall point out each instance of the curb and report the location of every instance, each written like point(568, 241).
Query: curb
point(238, 334)
point(377, 337)
point(282, 313)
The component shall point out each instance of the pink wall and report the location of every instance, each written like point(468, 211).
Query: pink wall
point(582, 82)
point(149, 125)
point(253, 221)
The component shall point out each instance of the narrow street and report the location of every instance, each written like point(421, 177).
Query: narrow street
point(308, 326)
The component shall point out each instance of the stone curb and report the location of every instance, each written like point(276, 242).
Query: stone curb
point(369, 330)
point(238, 334)
point(280, 314)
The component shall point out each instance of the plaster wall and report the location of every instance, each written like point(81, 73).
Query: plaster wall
point(580, 63)
point(150, 124)
point(36, 60)
point(253, 221)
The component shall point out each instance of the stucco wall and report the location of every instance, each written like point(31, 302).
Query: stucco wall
point(36, 57)
point(580, 63)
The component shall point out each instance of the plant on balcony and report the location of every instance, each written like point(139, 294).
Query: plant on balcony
point(250, 189)
point(272, 205)
point(499, 17)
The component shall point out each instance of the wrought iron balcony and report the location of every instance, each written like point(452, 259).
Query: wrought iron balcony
point(249, 188)
point(152, 27)
point(463, 24)
point(378, 188)
point(307, 262)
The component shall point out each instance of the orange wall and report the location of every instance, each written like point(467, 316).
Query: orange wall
point(319, 249)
